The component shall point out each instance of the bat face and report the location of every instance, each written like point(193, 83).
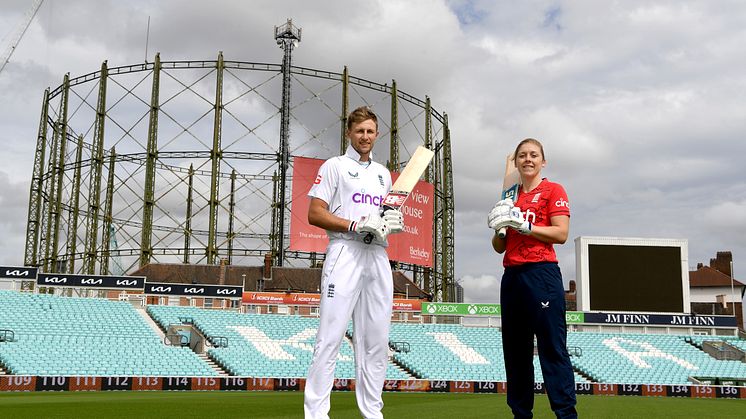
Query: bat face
point(406, 181)
point(414, 170)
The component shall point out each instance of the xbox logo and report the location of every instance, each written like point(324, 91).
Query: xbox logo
point(472, 309)
point(431, 309)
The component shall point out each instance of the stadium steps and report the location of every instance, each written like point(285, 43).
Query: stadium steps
point(149, 320)
point(214, 365)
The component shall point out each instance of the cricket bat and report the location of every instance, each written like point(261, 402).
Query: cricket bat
point(511, 183)
point(406, 182)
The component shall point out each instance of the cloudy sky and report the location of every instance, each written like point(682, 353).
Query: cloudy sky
point(641, 105)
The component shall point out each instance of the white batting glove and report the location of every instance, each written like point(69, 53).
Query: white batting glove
point(372, 224)
point(515, 220)
point(499, 213)
point(394, 219)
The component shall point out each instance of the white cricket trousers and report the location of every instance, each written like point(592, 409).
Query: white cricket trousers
point(356, 282)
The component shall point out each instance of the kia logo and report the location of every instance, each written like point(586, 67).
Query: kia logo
point(91, 281)
point(126, 282)
point(17, 273)
point(194, 290)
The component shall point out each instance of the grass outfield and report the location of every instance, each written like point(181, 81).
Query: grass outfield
point(148, 404)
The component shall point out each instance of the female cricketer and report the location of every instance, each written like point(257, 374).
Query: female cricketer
point(356, 280)
point(532, 294)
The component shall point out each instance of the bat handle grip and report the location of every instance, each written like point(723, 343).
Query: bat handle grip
point(369, 237)
point(502, 232)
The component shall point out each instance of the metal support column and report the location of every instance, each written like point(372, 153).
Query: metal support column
point(394, 138)
point(72, 233)
point(146, 247)
point(216, 155)
point(345, 110)
point(60, 175)
point(231, 216)
point(35, 191)
point(97, 163)
point(188, 221)
point(448, 211)
point(108, 211)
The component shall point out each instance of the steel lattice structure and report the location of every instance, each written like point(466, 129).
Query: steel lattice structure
point(190, 162)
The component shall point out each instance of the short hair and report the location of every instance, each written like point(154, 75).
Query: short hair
point(361, 114)
point(532, 141)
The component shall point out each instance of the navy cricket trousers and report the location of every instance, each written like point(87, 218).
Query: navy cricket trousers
point(533, 303)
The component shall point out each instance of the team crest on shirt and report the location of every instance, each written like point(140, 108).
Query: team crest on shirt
point(330, 291)
point(380, 179)
point(353, 175)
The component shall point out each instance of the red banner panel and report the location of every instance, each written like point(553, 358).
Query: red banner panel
point(407, 305)
point(267, 384)
point(303, 236)
point(413, 245)
point(17, 383)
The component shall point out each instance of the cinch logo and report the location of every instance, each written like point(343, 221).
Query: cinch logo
point(226, 292)
point(562, 203)
point(361, 198)
point(91, 281)
point(161, 289)
point(126, 282)
point(55, 280)
point(16, 273)
point(318, 180)
point(194, 290)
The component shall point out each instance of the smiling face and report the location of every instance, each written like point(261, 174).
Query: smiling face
point(362, 136)
point(529, 158)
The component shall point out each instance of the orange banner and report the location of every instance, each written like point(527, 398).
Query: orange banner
point(312, 299)
point(414, 245)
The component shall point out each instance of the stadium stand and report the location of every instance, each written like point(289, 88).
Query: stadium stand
point(50, 335)
point(261, 345)
point(454, 352)
point(86, 336)
point(648, 359)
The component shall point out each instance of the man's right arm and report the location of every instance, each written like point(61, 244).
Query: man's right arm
point(319, 216)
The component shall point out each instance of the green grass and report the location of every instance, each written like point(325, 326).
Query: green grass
point(147, 404)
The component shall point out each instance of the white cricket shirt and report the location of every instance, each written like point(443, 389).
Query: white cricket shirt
point(351, 188)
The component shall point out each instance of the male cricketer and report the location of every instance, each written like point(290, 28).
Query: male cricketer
point(356, 281)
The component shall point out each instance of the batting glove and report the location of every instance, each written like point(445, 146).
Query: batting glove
point(515, 220)
point(394, 220)
point(499, 213)
point(372, 224)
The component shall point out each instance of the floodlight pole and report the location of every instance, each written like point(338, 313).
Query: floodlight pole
point(287, 37)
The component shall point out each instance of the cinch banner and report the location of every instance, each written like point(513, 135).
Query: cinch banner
point(413, 245)
point(312, 299)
